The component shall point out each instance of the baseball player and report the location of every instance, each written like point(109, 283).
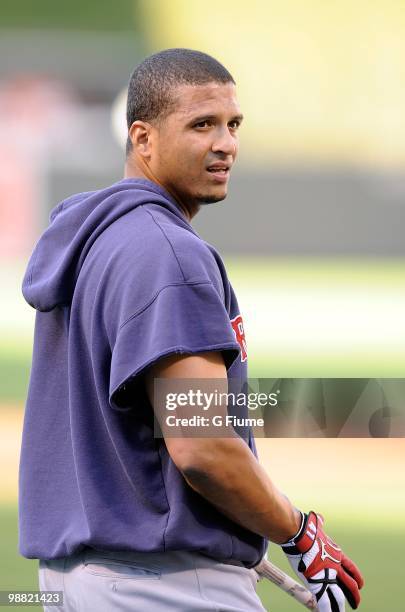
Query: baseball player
point(126, 292)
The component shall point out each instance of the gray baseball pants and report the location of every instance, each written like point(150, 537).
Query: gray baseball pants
point(178, 581)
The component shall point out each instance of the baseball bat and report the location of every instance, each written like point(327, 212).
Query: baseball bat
point(287, 584)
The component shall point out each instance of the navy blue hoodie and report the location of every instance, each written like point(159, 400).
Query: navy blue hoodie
point(119, 280)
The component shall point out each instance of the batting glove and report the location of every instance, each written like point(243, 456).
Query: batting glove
point(323, 567)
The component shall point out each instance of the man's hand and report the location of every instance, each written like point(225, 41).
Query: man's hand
point(323, 567)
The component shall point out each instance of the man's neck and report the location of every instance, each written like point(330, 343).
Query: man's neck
point(133, 171)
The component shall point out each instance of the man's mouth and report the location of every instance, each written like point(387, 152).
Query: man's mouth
point(219, 171)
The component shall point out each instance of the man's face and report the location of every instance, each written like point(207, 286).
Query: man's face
point(195, 146)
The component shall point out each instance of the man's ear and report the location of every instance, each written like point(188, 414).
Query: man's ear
point(140, 135)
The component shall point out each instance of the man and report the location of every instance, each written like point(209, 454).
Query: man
point(127, 293)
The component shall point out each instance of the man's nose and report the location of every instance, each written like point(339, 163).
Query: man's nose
point(225, 142)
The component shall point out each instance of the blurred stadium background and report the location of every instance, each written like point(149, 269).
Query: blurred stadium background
point(312, 231)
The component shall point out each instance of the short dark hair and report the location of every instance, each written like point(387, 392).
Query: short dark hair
point(151, 85)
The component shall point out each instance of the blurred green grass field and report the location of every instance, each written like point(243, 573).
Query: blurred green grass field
point(376, 551)
point(375, 542)
point(303, 317)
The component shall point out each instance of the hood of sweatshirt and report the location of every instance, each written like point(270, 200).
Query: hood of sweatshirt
point(75, 224)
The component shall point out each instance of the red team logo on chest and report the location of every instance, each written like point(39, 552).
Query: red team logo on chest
point(237, 324)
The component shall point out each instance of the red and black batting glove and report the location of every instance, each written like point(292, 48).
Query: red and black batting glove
point(323, 567)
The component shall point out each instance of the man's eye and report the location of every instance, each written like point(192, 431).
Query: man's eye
point(234, 125)
point(202, 124)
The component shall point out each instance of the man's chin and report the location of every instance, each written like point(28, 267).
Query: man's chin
point(210, 198)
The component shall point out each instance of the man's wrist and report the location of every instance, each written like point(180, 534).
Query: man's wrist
point(300, 522)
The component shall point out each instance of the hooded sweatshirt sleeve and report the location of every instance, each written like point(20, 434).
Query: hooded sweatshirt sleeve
point(186, 318)
point(185, 311)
